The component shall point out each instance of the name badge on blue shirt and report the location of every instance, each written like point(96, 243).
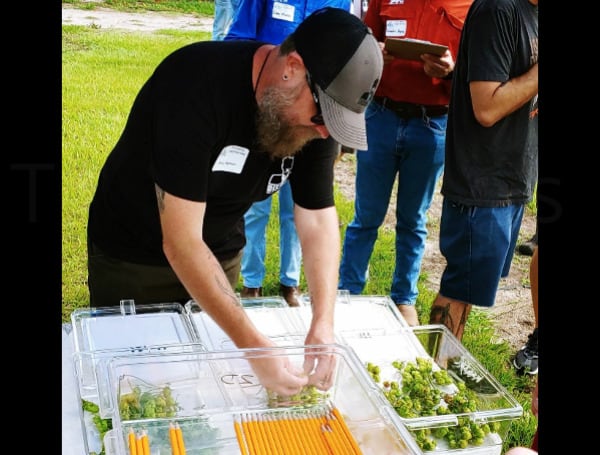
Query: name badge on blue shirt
point(283, 11)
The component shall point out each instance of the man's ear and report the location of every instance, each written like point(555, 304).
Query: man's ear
point(294, 65)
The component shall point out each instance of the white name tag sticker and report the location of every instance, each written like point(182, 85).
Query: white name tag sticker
point(231, 159)
point(283, 11)
point(395, 28)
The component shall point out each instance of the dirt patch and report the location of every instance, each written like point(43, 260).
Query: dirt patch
point(145, 21)
point(512, 314)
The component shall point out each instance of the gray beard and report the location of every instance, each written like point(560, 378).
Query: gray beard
point(275, 135)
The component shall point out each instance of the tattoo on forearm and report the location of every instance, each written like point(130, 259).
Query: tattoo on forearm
point(222, 281)
point(227, 289)
point(160, 197)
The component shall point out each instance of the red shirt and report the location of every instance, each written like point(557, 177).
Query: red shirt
point(438, 21)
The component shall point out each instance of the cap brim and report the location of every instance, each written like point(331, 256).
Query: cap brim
point(345, 126)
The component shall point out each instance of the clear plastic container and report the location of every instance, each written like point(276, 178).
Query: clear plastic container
point(212, 390)
point(101, 333)
point(271, 315)
point(130, 326)
point(488, 406)
point(360, 312)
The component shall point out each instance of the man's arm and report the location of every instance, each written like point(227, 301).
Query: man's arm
point(492, 101)
point(201, 274)
point(199, 270)
point(319, 235)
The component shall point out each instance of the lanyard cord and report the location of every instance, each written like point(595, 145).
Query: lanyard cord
point(261, 69)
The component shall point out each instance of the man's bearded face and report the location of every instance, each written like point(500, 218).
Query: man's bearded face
point(276, 133)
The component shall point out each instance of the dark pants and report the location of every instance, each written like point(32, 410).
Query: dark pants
point(111, 280)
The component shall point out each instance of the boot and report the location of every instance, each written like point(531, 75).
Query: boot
point(251, 292)
point(451, 313)
point(290, 294)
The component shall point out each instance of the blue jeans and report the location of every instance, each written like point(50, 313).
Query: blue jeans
point(224, 13)
point(253, 259)
point(413, 150)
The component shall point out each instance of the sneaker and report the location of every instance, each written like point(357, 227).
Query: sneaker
point(526, 360)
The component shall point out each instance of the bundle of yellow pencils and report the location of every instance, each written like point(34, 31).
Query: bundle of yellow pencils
point(176, 439)
point(291, 433)
point(138, 445)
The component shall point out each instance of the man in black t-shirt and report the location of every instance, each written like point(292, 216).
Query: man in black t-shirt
point(218, 126)
point(491, 156)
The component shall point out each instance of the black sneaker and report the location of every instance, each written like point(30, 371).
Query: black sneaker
point(526, 360)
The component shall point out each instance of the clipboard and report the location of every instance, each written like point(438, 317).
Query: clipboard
point(411, 49)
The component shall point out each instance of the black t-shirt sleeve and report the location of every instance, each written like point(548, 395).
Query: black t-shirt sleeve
point(180, 129)
point(490, 52)
point(312, 178)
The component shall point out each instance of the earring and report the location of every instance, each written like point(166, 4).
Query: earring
point(285, 77)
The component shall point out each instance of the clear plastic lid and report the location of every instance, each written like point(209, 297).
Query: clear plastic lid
point(207, 393)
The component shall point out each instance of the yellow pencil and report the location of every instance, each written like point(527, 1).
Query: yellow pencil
point(270, 446)
point(262, 436)
point(238, 434)
point(173, 439)
point(138, 445)
point(180, 444)
point(311, 438)
point(131, 439)
point(250, 437)
point(287, 433)
point(338, 421)
point(145, 443)
point(326, 444)
point(334, 438)
point(271, 426)
point(298, 433)
point(315, 429)
point(277, 431)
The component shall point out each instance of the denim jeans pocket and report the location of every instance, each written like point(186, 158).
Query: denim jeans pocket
point(437, 124)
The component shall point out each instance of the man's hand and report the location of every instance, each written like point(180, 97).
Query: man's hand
point(439, 67)
point(277, 374)
point(319, 365)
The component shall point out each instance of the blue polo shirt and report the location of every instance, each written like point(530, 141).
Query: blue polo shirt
point(272, 21)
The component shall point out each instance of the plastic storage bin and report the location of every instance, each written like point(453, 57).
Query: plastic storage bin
point(272, 316)
point(360, 312)
point(101, 333)
point(288, 325)
point(211, 391)
point(487, 405)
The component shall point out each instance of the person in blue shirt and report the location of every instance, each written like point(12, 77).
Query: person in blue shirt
point(224, 12)
point(271, 21)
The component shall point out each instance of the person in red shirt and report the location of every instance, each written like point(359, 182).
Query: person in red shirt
point(406, 127)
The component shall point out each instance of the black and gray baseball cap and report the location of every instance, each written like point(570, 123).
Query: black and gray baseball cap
point(344, 62)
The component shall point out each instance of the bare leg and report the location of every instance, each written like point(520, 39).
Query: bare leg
point(451, 313)
point(409, 313)
point(533, 280)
